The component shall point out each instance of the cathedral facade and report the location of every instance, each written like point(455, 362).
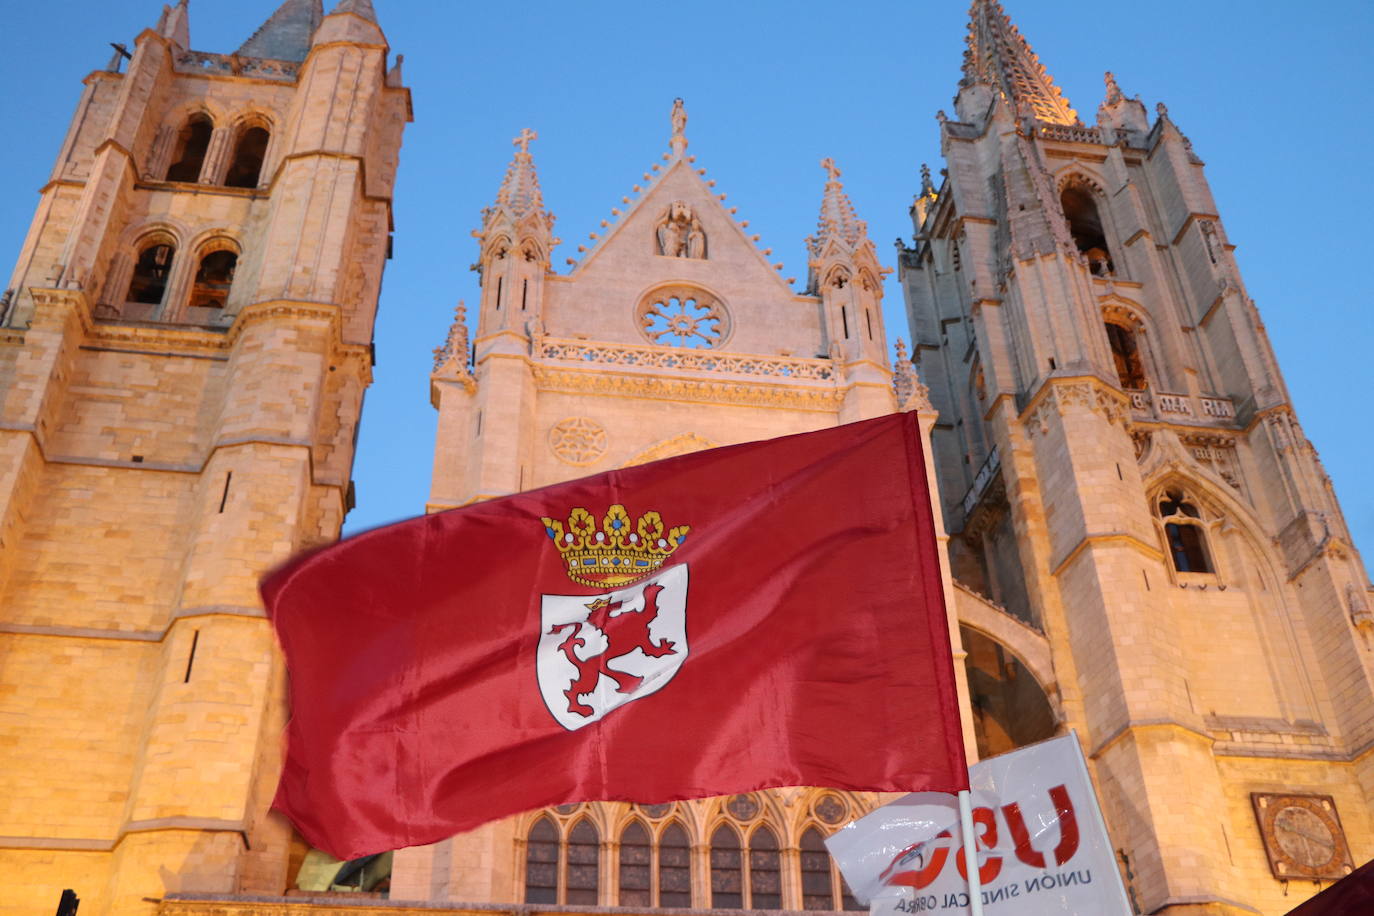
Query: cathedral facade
point(1142, 546)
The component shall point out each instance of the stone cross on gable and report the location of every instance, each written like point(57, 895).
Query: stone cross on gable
point(831, 169)
point(523, 140)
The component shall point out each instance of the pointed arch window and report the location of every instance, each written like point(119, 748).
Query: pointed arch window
point(541, 863)
point(1085, 225)
point(818, 889)
point(727, 870)
point(1130, 369)
point(822, 887)
point(674, 867)
point(584, 860)
point(245, 169)
point(151, 271)
point(192, 143)
point(635, 866)
point(765, 870)
point(1184, 533)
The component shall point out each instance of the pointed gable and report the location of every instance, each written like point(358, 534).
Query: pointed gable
point(287, 32)
point(656, 233)
point(679, 234)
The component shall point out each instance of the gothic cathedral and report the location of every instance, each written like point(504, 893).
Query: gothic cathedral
point(1142, 546)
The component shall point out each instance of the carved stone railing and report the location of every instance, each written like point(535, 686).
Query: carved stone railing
point(1073, 133)
point(675, 358)
point(990, 467)
point(233, 65)
point(1147, 405)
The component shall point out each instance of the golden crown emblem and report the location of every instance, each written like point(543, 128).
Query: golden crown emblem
point(616, 553)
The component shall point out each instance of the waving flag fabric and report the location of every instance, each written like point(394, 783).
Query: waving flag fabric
point(760, 615)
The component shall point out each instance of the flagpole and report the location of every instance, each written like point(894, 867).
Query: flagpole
point(975, 880)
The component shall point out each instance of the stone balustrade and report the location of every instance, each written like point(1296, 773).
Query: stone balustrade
point(634, 356)
point(232, 64)
point(1073, 133)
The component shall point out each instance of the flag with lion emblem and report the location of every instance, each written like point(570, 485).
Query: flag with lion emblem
point(760, 615)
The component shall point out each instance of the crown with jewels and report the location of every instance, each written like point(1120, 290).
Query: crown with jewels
point(616, 553)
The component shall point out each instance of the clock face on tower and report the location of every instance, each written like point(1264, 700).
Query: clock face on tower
point(1302, 835)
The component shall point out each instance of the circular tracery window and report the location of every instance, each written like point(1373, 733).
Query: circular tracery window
point(683, 316)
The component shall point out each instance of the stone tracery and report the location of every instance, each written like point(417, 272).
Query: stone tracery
point(683, 317)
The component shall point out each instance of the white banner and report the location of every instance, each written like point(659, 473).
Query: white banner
point(1043, 848)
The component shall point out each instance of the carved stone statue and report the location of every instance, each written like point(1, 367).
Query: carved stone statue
point(696, 241)
point(679, 138)
point(680, 234)
point(670, 238)
point(679, 118)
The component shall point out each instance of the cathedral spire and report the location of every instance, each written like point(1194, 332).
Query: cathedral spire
point(286, 34)
point(519, 194)
point(843, 271)
point(999, 56)
point(838, 221)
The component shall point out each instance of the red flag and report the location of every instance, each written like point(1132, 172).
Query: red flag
point(760, 615)
point(1353, 895)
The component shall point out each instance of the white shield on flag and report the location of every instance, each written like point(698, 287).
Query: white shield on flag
point(599, 652)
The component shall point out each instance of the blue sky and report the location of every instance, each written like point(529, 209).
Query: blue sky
point(1266, 90)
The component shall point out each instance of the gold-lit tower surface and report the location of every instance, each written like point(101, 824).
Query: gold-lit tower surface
point(1123, 474)
point(184, 347)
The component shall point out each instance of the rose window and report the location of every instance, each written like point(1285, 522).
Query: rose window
point(684, 317)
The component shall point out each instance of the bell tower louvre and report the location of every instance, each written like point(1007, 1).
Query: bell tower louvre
point(1122, 470)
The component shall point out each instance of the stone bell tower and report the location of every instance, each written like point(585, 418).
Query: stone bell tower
point(184, 346)
point(1122, 471)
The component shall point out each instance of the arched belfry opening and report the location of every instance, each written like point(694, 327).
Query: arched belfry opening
point(1130, 368)
point(214, 278)
point(1010, 708)
point(245, 169)
point(148, 285)
point(1085, 225)
point(192, 144)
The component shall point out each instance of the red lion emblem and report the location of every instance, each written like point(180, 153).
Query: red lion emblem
point(624, 633)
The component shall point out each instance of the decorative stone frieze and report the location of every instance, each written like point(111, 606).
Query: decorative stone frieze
point(1060, 396)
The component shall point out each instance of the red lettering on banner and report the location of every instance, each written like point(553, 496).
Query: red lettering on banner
point(989, 870)
point(921, 876)
point(1068, 830)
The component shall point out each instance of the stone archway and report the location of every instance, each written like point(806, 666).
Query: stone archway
point(1010, 707)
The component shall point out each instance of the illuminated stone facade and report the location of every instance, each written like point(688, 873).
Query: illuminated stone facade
point(1122, 470)
point(1145, 547)
point(182, 362)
